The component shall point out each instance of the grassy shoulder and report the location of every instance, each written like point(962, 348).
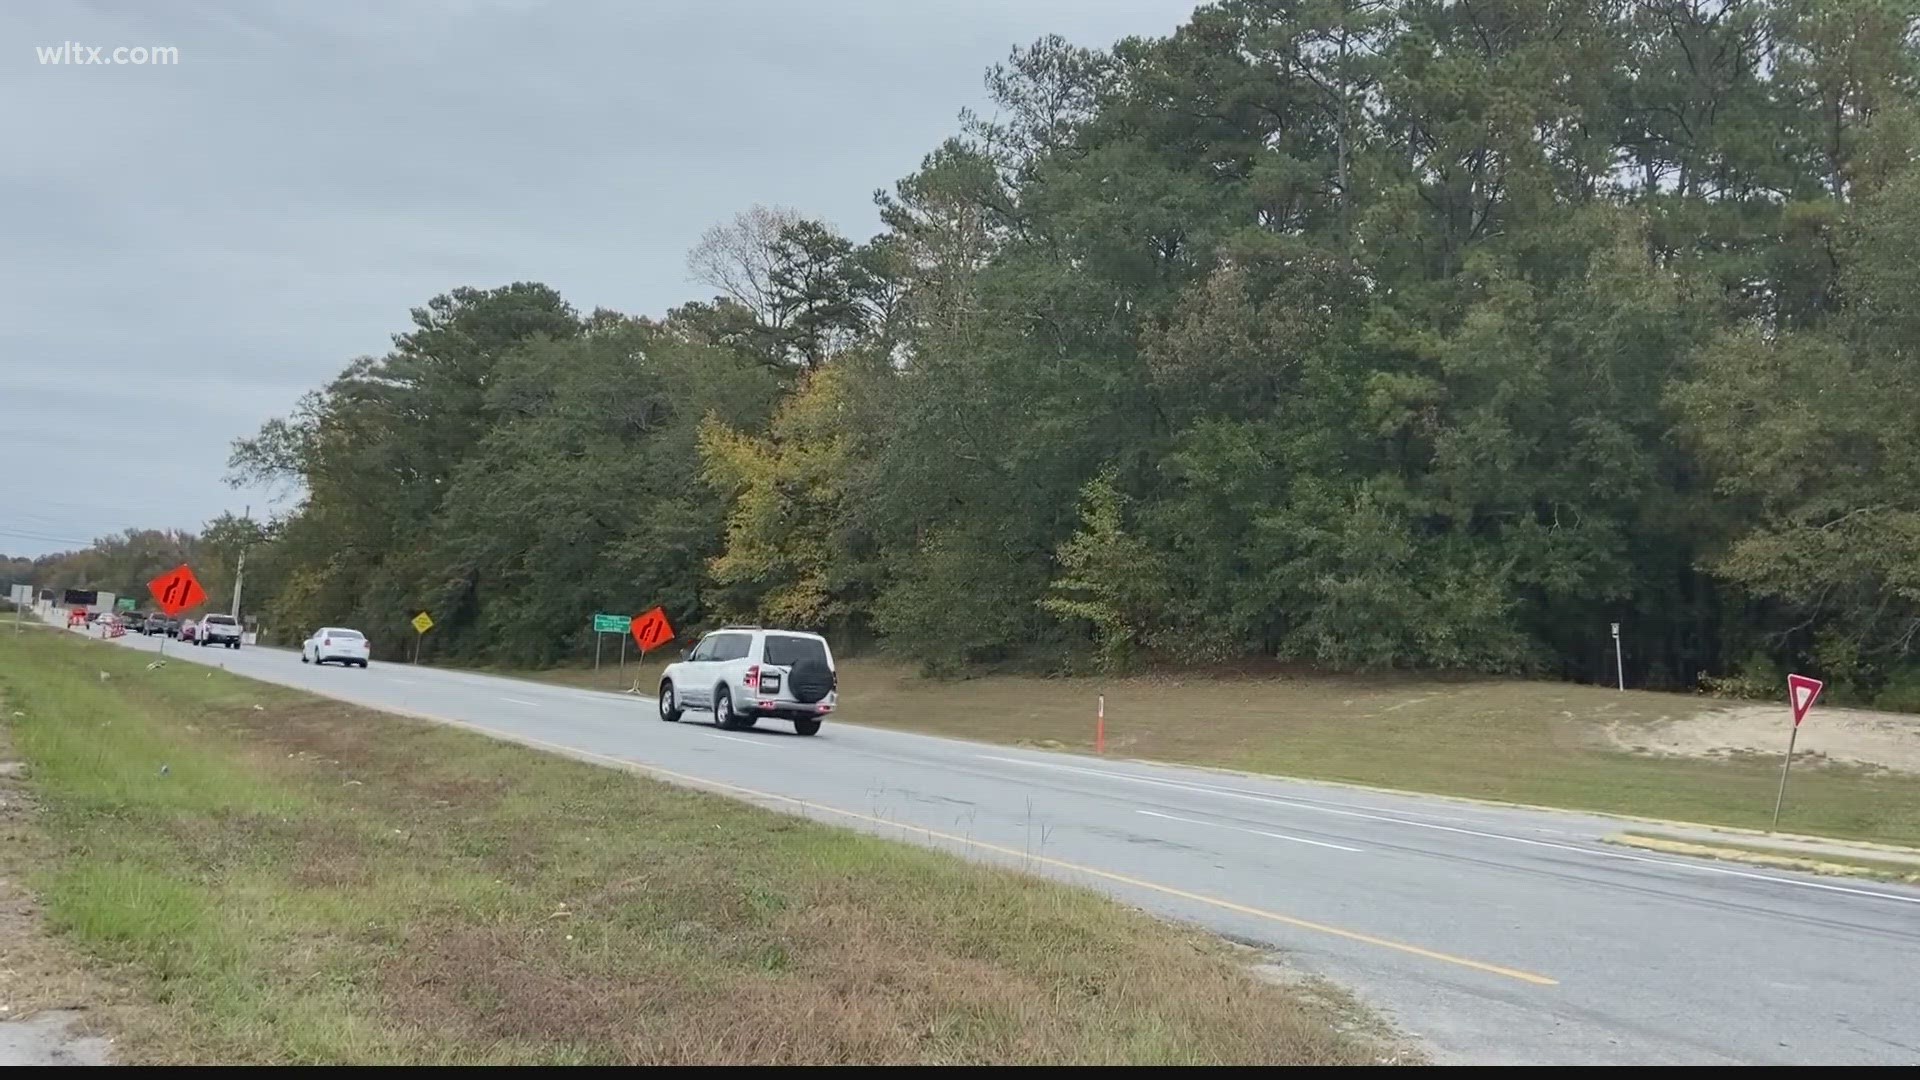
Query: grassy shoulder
point(279, 878)
point(1831, 864)
point(1546, 744)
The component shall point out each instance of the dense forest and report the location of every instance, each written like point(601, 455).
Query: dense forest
point(1360, 333)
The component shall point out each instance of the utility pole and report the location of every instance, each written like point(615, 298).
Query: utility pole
point(239, 578)
point(240, 573)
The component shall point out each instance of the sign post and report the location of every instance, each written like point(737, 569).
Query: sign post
point(1801, 693)
point(610, 624)
point(176, 591)
point(649, 630)
point(1619, 667)
point(422, 623)
point(22, 595)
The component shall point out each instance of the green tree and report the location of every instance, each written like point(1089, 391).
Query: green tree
point(1109, 580)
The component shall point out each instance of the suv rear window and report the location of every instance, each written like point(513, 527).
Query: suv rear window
point(220, 620)
point(786, 650)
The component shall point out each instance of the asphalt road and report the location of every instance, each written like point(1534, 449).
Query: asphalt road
point(1494, 935)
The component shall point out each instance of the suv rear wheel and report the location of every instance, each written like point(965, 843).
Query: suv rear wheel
point(810, 726)
point(723, 709)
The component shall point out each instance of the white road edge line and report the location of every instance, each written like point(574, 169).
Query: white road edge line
point(1255, 832)
point(1230, 793)
point(734, 738)
point(520, 701)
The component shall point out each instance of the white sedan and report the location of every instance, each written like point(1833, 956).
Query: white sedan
point(335, 644)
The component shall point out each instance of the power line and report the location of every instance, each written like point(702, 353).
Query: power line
point(31, 533)
point(19, 534)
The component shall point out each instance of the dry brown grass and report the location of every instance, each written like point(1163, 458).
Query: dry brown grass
point(319, 883)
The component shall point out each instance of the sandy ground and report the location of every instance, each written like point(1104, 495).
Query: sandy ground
point(1852, 736)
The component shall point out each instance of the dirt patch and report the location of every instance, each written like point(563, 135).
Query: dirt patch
point(1848, 736)
point(49, 1039)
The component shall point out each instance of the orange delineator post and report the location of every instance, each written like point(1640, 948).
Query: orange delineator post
point(1100, 727)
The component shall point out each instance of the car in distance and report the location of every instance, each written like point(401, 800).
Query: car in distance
point(189, 629)
point(154, 624)
point(336, 645)
point(744, 673)
point(219, 630)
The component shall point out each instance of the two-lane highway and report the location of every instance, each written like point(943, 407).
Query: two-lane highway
point(1496, 935)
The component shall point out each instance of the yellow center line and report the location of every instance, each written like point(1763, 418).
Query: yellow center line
point(1107, 875)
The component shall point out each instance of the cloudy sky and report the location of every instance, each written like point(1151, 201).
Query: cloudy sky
point(186, 249)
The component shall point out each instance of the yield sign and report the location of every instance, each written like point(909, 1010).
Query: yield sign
point(1801, 692)
point(652, 629)
point(177, 590)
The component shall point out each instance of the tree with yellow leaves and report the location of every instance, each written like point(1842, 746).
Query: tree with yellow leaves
point(782, 563)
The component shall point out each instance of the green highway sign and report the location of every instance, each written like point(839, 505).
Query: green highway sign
point(124, 603)
point(611, 624)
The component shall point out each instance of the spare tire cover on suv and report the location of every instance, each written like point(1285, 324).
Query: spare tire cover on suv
point(810, 680)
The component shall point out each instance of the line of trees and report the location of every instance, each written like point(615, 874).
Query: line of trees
point(123, 563)
point(1368, 333)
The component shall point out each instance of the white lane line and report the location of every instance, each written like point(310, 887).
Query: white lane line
point(1256, 832)
point(1230, 793)
point(736, 738)
point(521, 701)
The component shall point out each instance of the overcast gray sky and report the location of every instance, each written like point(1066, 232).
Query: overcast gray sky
point(186, 249)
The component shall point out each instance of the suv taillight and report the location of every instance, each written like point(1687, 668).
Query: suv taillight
point(326, 641)
point(752, 681)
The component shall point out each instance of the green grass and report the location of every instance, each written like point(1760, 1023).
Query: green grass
point(1529, 742)
point(276, 878)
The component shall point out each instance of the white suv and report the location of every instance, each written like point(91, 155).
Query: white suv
point(219, 630)
point(742, 673)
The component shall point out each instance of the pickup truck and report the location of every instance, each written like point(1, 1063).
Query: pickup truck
point(219, 630)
